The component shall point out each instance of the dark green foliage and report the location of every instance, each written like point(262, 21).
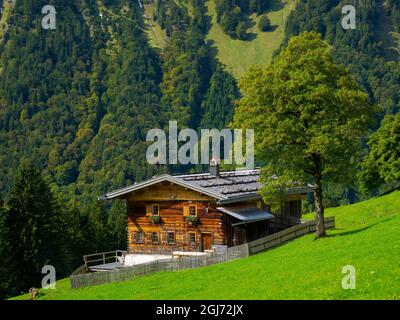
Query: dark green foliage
point(393, 9)
point(79, 101)
point(170, 16)
point(186, 70)
point(241, 31)
point(382, 165)
point(364, 51)
point(219, 105)
point(32, 233)
point(309, 117)
point(264, 24)
point(232, 15)
point(66, 93)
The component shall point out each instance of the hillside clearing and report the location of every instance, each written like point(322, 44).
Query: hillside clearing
point(237, 55)
point(240, 55)
point(367, 238)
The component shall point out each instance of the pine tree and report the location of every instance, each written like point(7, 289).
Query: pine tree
point(241, 31)
point(264, 24)
point(32, 232)
point(219, 105)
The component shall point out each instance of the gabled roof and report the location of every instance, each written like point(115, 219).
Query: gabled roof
point(156, 180)
point(228, 187)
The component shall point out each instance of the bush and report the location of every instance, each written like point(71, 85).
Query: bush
point(241, 31)
point(264, 24)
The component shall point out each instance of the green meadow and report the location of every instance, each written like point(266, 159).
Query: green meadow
point(239, 55)
point(366, 236)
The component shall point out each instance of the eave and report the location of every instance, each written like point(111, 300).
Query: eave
point(164, 178)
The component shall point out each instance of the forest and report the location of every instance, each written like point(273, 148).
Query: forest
point(76, 104)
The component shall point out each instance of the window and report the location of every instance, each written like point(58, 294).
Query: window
point(155, 210)
point(192, 238)
point(192, 210)
point(138, 237)
point(171, 237)
point(154, 237)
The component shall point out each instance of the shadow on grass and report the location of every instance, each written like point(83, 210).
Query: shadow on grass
point(350, 232)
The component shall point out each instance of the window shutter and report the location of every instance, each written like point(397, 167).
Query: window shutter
point(149, 210)
point(187, 238)
point(163, 237)
point(185, 211)
point(148, 237)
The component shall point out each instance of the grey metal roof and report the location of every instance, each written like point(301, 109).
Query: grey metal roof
point(230, 184)
point(247, 215)
point(228, 187)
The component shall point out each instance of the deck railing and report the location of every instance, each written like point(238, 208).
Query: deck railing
point(104, 257)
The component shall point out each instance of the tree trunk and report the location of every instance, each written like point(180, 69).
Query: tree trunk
point(319, 210)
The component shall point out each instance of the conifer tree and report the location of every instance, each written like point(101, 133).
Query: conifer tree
point(33, 231)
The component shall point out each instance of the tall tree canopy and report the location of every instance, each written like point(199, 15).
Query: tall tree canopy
point(382, 165)
point(308, 115)
point(218, 106)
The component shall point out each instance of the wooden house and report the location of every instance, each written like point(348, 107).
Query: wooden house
point(198, 212)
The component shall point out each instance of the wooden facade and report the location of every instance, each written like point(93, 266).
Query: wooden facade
point(161, 219)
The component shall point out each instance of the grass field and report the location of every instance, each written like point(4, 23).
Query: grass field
point(367, 237)
point(239, 55)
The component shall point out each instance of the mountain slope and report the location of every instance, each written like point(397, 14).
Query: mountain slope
point(367, 237)
point(79, 100)
point(239, 55)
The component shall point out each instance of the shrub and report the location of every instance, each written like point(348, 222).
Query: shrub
point(264, 24)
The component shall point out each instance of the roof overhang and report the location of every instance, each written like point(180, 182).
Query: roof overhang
point(247, 215)
point(256, 196)
point(247, 197)
point(164, 178)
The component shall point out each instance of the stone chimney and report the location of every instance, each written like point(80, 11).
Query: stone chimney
point(214, 167)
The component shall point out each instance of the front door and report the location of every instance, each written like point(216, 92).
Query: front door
point(206, 241)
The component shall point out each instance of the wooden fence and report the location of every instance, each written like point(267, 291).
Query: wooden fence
point(286, 235)
point(170, 264)
point(173, 264)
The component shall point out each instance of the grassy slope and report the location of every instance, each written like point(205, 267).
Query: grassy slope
point(157, 36)
point(240, 55)
point(367, 237)
point(237, 55)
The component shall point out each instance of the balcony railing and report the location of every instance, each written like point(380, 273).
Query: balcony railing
point(104, 258)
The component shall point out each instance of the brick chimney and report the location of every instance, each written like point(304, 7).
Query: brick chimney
point(214, 167)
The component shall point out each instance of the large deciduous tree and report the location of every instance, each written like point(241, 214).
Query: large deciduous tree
point(309, 116)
